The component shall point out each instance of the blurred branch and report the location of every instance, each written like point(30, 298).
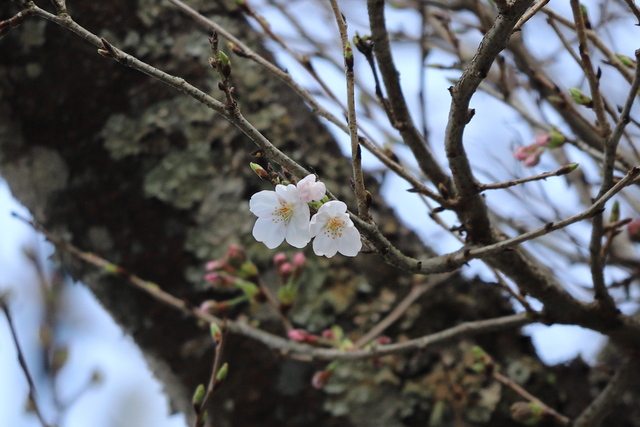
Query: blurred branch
point(602, 405)
point(23, 363)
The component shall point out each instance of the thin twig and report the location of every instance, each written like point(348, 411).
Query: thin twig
point(356, 154)
point(524, 393)
point(506, 184)
point(529, 14)
point(201, 410)
point(23, 362)
point(595, 246)
point(416, 292)
point(634, 9)
point(401, 117)
point(285, 346)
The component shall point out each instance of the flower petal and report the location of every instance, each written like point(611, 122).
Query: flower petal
point(349, 244)
point(324, 245)
point(269, 232)
point(263, 203)
point(298, 237)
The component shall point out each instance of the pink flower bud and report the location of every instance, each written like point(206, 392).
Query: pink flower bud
point(633, 230)
point(531, 161)
point(543, 139)
point(383, 339)
point(220, 280)
point(521, 152)
point(215, 265)
point(299, 263)
point(236, 255)
point(284, 272)
point(299, 335)
point(209, 306)
point(279, 259)
point(309, 190)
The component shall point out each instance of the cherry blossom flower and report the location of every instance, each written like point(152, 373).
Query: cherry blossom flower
point(310, 190)
point(281, 215)
point(334, 231)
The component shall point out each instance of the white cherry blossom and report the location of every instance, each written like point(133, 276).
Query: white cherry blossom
point(334, 231)
point(310, 190)
point(281, 215)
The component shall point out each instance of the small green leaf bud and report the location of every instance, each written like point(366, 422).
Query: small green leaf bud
point(615, 212)
point(198, 396)
point(580, 98)
point(216, 332)
point(556, 139)
point(626, 61)
point(527, 413)
point(225, 64)
point(222, 373)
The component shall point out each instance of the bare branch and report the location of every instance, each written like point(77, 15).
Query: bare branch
point(23, 363)
point(595, 413)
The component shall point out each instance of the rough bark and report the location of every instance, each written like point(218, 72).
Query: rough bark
point(127, 168)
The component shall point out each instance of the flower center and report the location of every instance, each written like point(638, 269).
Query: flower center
point(283, 213)
point(334, 228)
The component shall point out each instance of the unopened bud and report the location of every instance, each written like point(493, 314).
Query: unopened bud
point(348, 56)
point(299, 263)
point(633, 230)
point(248, 270)
point(222, 373)
point(363, 44)
point(580, 98)
point(279, 259)
point(259, 170)
point(527, 413)
point(225, 64)
point(284, 272)
point(556, 139)
point(198, 396)
point(209, 306)
point(216, 332)
point(626, 61)
point(615, 212)
point(236, 255)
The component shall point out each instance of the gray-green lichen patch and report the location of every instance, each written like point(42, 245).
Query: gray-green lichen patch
point(326, 291)
point(35, 176)
point(151, 132)
point(182, 178)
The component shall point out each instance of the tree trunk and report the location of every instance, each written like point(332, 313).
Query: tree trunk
point(125, 167)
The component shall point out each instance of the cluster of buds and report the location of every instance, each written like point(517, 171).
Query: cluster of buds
point(233, 271)
point(287, 270)
point(529, 155)
point(289, 273)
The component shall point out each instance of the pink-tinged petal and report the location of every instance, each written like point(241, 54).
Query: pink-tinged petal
point(309, 190)
point(268, 232)
point(263, 203)
point(349, 243)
